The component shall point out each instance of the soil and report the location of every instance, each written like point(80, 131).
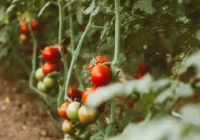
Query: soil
point(22, 115)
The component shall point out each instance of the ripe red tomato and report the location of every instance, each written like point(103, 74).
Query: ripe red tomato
point(62, 110)
point(87, 115)
point(24, 28)
point(101, 75)
point(48, 67)
point(74, 94)
point(143, 68)
point(82, 27)
point(23, 37)
point(87, 92)
point(35, 24)
point(139, 75)
point(95, 61)
point(51, 54)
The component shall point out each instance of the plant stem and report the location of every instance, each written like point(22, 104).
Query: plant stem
point(71, 29)
point(48, 100)
point(64, 58)
point(76, 54)
point(115, 64)
point(117, 32)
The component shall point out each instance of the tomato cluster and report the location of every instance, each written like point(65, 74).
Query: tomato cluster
point(77, 114)
point(142, 70)
point(24, 35)
point(52, 57)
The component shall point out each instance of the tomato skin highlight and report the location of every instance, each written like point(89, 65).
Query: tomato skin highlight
point(51, 54)
point(48, 67)
point(35, 24)
point(87, 115)
point(101, 75)
point(67, 127)
point(24, 28)
point(62, 110)
point(95, 61)
point(74, 94)
point(87, 93)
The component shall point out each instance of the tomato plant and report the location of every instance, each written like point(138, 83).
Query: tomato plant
point(151, 50)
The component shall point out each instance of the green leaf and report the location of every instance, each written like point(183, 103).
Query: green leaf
point(79, 16)
point(166, 128)
point(144, 5)
point(191, 113)
point(90, 8)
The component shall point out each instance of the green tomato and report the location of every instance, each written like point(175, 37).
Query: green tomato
point(49, 81)
point(39, 75)
point(41, 86)
point(72, 110)
point(84, 136)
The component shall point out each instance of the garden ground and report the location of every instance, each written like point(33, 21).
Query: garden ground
point(22, 115)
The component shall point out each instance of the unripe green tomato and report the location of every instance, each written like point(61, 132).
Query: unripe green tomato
point(67, 127)
point(49, 81)
point(41, 86)
point(39, 75)
point(72, 110)
point(87, 115)
point(84, 136)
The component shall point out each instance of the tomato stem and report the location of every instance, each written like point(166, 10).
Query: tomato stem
point(76, 54)
point(72, 42)
point(115, 63)
point(48, 100)
point(64, 58)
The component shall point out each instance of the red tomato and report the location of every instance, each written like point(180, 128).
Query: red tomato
point(24, 28)
point(95, 61)
point(74, 94)
point(101, 75)
point(139, 75)
point(82, 27)
point(48, 67)
point(51, 54)
point(35, 24)
point(87, 92)
point(62, 110)
point(143, 68)
point(131, 104)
